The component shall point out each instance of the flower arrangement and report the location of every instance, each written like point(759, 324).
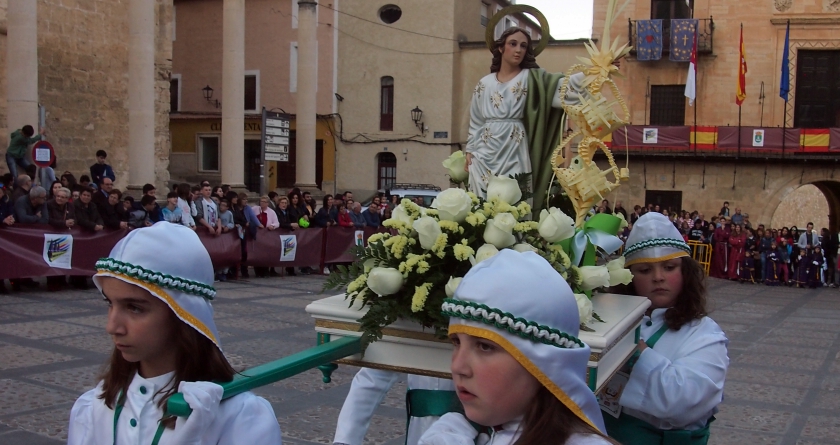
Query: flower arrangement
point(407, 273)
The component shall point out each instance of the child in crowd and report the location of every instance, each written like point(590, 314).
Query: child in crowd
point(748, 263)
point(802, 269)
point(226, 216)
point(140, 217)
point(772, 266)
point(171, 213)
point(528, 384)
point(817, 265)
point(784, 263)
point(676, 381)
point(344, 219)
point(165, 341)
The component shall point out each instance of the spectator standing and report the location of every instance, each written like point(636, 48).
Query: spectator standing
point(784, 255)
point(310, 204)
point(285, 221)
point(737, 218)
point(724, 211)
point(101, 170)
point(100, 197)
point(172, 213)
point(297, 209)
point(68, 180)
point(18, 151)
point(372, 216)
point(637, 212)
point(748, 265)
point(737, 241)
point(266, 216)
point(155, 215)
point(207, 213)
point(772, 262)
point(84, 181)
point(697, 233)
point(87, 215)
point(807, 241)
point(344, 219)
point(765, 245)
point(226, 216)
point(829, 245)
point(54, 187)
point(7, 209)
point(113, 215)
point(619, 208)
point(720, 250)
point(23, 184)
point(32, 208)
point(322, 217)
point(186, 205)
point(357, 217)
point(140, 217)
point(61, 214)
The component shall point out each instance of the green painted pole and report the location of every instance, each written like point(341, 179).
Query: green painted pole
point(277, 370)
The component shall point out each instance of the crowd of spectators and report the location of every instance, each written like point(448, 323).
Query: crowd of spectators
point(742, 251)
point(92, 203)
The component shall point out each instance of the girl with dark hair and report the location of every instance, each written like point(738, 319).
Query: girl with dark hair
point(68, 180)
point(676, 381)
point(531, 389)
point(165, 342)
point(507, 105)
point(322, 217)
point(54, 187)
point(188, 210)
point(297, 208)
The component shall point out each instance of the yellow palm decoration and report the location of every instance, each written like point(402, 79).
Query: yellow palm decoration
point(595, 118)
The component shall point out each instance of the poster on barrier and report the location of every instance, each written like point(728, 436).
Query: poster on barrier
point(360, 238)
point(289, 247)
point(58, 250)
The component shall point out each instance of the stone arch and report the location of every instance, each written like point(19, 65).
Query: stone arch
point(827, 181)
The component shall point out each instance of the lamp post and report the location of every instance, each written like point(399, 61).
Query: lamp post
point(208, 95)
point(417, 116)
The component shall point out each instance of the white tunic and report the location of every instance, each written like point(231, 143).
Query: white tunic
point(367, 391)
point(496, 139)
point(454, 429)
point(678, 384)
point(242, 419)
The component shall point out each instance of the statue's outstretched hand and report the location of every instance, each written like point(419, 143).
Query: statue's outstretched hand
point(467, 164)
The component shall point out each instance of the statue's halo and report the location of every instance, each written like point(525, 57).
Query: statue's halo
point(512, 9)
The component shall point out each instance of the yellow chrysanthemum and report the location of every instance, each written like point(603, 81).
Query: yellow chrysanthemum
point(473, 198)
point(439, 248)
point(378, 236)
point(357, 283)
point(451, 226)
point(421, 293)
point(525, 226)
point(422, 267)
point(524, 208)
point(462, 252)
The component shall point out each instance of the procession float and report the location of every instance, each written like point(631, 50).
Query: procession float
point(388, 314)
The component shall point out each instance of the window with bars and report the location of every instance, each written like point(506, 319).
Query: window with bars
point(667, 105)
point(175, 93)
point(386, 106)
point(386, 170)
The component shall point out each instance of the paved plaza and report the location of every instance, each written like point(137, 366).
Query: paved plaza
point(783, 385)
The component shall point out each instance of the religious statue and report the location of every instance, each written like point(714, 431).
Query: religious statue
point(516, 111)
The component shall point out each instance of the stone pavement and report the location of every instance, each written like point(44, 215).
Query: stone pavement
point(783, 385)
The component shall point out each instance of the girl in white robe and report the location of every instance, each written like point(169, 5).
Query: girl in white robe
point(161, 321)
point(676, 383)
point(518, 369)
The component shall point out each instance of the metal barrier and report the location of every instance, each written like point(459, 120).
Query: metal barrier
point(702, 253)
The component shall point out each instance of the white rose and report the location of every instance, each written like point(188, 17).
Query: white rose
point(484, 252)
point(385, 280)
point(506, 189)
point(400, 214)
point(618, 274)
point(498, 230)
point(455, 164)
point(593, 277)
point(555, 225)
point(584, 305)
point(451, 286)
point(428, 229)
point(524, 247)
point(452, 205)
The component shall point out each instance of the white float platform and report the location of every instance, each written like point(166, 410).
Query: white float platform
point(408, 347)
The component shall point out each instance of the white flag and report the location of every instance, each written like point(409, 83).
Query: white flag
point(691, 79)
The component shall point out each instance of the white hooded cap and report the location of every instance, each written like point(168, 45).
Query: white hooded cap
point(653, 239)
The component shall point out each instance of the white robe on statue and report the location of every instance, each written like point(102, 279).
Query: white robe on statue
point(496, 139)
point(242, 419)
point(367, 391)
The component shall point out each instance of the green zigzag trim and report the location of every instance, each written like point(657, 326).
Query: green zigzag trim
point(159, 279)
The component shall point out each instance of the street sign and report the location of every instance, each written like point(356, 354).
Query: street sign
point(43, 154)
point(274, 144)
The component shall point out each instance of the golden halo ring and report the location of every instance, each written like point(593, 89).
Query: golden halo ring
point(512, 9)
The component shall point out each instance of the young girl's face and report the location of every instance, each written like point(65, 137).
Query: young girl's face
point(660, 282)
point(493, 387)
point(141, 326)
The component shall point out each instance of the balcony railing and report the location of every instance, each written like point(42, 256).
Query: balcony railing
point(705, 40)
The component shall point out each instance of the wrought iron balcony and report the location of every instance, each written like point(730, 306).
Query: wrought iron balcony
point(705, 40)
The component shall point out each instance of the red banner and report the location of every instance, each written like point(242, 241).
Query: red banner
point(297, 248)
point(225, 250)
point(341, 239)
point(23, 247)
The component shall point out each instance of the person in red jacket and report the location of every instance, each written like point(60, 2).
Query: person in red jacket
point(344, 217)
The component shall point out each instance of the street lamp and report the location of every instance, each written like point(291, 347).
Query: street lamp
point(208, 94)
point(416, 116)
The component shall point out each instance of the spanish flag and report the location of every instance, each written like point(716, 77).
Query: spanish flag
point(742, 73)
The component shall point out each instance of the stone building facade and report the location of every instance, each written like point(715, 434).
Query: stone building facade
point(83, 77)
point(756, 185)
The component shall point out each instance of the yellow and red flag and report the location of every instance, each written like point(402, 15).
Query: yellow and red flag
point(742, 73)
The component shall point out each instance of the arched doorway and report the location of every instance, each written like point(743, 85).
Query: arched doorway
point(817, 202)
